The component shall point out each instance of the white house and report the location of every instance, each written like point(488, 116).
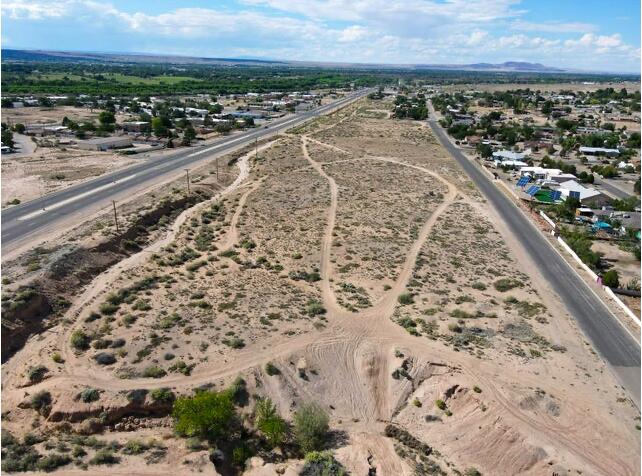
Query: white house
point(587, 196)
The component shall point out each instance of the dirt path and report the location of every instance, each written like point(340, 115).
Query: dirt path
point(355, 351)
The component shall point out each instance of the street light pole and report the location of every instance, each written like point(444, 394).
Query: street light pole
point(113, 202)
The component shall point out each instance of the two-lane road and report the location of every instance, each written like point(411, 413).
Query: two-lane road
point(616, 346)
point(35, 218)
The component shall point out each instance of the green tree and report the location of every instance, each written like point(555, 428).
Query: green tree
point(189, 135)
point(269, 422)
point(7, 138)
point(611, 279)
point(19, 128)
point(547, 108)
point(206, 414)
point(159, 129)
point(311, 424)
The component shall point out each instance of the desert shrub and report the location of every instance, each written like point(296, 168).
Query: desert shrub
point(479, 286)
point(322, 464)
point(52, 461)
point(452, 327)
point(93, 316)
point(163, 395)
point(89, 395)
point(271, 369)
point(476, 389)
point(137, 396)
point(506, 284)
point(41, 402)
point(440, 404)
point(472, 472)
point(240, 454)
point(17, 457)
point(314, 308)
point(310, 426)
point(269, 422)
point(79, 340)
point(206, 414)
point(154, 371)
point(135, 447)
point(105, 358)
point(416, 402)
point(108, 308)
point(611, 279)
point(104, 456)
point(405, 299)
point(234, 342)
point(117, 343)
point(141, 305)
point(57, 358)
point(36, 373)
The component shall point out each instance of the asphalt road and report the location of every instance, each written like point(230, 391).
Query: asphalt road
point(611, 189)
point(616, 346)
point(22, 222)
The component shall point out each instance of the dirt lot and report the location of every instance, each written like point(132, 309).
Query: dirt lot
point(358, 260)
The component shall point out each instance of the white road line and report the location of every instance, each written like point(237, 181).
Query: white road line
point(74, 198)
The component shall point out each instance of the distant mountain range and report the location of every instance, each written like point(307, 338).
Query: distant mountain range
point(121, 58)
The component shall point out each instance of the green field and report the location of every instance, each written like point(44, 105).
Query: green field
point(112, 77)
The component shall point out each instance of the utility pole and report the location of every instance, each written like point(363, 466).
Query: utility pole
point(113, 202)
point(217, 169)
point(188, 189)
point(256, 147)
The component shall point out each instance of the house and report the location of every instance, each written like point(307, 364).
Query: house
point(105, 143)
point(502, 155)
point(599, 151)
point(135, 126)
point(586, 196)
point(517, 164)
point(539, 173)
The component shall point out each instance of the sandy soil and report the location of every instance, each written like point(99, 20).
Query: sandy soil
point(444, 306)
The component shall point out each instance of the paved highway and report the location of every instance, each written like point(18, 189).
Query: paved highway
point(616, 346)
point(611, 189)
point(23, 221)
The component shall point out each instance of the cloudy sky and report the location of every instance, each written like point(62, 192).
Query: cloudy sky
point(585, 34)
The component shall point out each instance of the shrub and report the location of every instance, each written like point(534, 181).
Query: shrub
point(105, 358)
point(89, 395)
point(472, 472)
point(41, 402)
point(479, 286)
point(611, 279)
point(135, 447)
point(52, 462)
point(416, 402)
point(405, 299)
point(57, 358)
point(79, 340)
point(506, 284)
point(137, 396)
point(271, 369)
point(476, 389)
point(234, 342)
point(36, 373)
point(440, 404)
point(154, 371)
point(104, 456)
point(322, 464)
point(206, 414)
point(108, 308)
point(314, 308)
point(310, 426)
point(269, 422)
point(163, 395)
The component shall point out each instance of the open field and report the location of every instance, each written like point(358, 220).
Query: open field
point(575, 86)
point(359, 261)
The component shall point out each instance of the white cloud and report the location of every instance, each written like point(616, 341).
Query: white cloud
point(23, 10)
point(553, 27)
point(402, 31)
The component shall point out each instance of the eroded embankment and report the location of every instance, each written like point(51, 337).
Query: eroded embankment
point(35, 307)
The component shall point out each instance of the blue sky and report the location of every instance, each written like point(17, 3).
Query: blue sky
point(587, 34)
